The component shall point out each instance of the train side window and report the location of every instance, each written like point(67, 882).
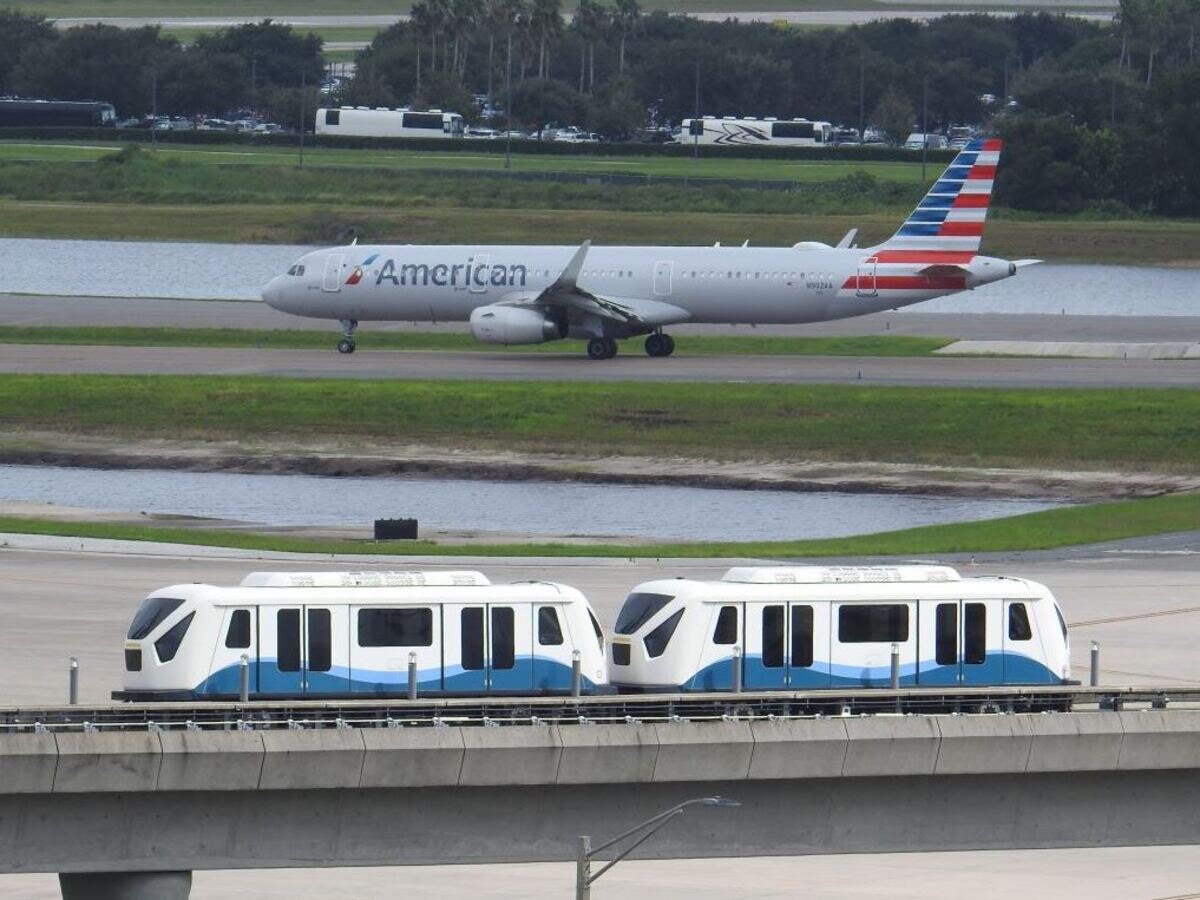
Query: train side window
point(802, 636)
point(656, 641)
point(1018, 623)
point(772, 637)
point(974, 633)
point(395, 627)
point(596, 628)
point(472, 638)
point(726, 631)
point(1062, 623)
point(320, 641)
point(549, 630)
point(946, 638)
point(238, 636)
point(168, 645)
point(504, 654)
point(287, 626)
point(873, 624)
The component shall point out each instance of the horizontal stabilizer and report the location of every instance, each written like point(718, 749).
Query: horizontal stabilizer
point(1022, 263)
point(943, 270)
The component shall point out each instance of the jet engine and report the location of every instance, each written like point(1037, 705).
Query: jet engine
point(515, 325)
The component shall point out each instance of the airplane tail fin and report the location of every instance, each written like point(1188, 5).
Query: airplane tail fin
point(951, 216)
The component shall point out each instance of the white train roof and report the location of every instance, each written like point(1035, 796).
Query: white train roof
point(365, 579)
point(840, 574)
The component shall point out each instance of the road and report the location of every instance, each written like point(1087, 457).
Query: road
point(572, 365)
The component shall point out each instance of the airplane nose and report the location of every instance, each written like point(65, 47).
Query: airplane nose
point(272, 293)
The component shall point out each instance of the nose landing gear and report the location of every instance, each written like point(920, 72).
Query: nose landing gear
point(602, 348)
point(347, 344)
point(659, 344)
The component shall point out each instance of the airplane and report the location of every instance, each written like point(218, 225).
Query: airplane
point(521, 294)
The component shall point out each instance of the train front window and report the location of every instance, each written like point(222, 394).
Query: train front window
point(1018, 623)
point(596, 628)
point(549, 630)
point(656, 641)
point(168, 645)
point(150, 614)
point(638, 610)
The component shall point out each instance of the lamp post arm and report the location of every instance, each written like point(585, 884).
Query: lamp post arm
point(636, 828)
point(663, 820)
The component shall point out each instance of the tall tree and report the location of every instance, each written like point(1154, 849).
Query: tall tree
point(625, 17)
point(590, 20)
point(545, 20)
point(19, 30)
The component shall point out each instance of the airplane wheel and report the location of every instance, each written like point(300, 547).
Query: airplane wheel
point(345, 345)
point(655, 345)
point(597, 348)
point(668, 345)
point(612, 347)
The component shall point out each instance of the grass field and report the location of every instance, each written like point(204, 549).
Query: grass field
point(1110, 430)
point(484, 156)
point(1134, 242)
point(873, 345)
point(1064, 527)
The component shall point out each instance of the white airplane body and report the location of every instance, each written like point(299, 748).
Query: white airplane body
point(521, 294)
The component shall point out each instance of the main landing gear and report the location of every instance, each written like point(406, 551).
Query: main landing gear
point(659, 344)
point(602, 348)
point(346, 344)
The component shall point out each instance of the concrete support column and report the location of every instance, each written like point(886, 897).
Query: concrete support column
point(125, 885)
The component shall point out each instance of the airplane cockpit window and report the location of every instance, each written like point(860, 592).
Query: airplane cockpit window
point(296, 270)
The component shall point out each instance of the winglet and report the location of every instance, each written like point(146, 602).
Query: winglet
point(569, 277)
point(848, 240)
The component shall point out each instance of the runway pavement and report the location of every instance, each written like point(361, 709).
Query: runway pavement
point(573, 365)
point(50, 310)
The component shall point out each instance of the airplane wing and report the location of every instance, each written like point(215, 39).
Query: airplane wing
point(565, 293)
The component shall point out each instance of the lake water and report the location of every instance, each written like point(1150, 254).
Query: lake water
point(238, 272)
point(536, 507)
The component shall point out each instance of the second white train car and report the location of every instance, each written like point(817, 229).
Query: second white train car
point(349, 634)
point(806, 627)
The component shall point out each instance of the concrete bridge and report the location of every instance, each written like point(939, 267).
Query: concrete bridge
point(131, 813)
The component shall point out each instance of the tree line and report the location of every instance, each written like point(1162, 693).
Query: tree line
point(1102, 114)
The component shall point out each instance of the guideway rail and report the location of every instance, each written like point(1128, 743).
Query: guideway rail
point(608, 709)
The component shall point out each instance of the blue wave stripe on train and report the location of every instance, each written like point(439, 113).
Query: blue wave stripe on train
point(536, 673)
point(998, 668)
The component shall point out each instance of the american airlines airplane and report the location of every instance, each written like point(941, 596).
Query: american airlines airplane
point(517, 294)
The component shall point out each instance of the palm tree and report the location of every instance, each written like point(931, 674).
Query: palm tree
point(463, 17)
point(590, 19)
point(545, 20)
point(500, 17)
point(423, 27)
point(625, 17)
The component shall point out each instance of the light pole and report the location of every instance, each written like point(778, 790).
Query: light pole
point(586, 852)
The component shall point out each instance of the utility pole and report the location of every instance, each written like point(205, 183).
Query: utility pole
point(154, 105)
point(924, 124)
point(862, 97)
point(508, 104)
point(303, 90)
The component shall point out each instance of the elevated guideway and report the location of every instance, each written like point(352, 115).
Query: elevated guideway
point(138, 791)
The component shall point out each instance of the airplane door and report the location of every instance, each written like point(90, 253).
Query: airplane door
point(333, 273)
point(479, 266)
point(663, 269)
point(868, 282)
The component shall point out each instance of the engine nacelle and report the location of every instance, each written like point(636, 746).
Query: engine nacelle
point(514, 325)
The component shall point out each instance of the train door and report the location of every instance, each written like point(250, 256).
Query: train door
point(296, 651)
point(552, 646)
point(488, 648)
point(381, 639)
point(786, 645)
point(1023, 653)
point(238, 636)
point(861, 646)
point(961, 642)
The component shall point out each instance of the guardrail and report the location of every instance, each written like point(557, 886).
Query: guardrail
point(605, 709)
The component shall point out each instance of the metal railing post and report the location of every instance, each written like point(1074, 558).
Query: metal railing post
point(412, 675)
point(895, 667)
point(737, 668)
point(73, 682)
point(583, 868)
point(244, 680)
point(576, 674)
point(1095, 679)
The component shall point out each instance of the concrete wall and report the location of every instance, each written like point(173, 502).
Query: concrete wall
point(128, 801)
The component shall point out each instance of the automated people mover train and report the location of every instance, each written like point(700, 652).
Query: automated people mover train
point(533, 294)
point(342, 634)
point(809, 627)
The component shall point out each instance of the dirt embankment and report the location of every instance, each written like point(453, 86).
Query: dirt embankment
point(333, 459)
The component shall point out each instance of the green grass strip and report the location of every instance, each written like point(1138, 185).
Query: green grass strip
point(871, 345)
point(1103, 429)
point(1067, 526)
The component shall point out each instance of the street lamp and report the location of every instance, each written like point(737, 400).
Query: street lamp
point(583, 863)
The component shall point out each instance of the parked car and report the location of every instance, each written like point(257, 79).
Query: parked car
point(917, 140)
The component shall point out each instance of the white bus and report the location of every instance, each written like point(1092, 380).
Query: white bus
point(362, 121)
point(755, 132)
